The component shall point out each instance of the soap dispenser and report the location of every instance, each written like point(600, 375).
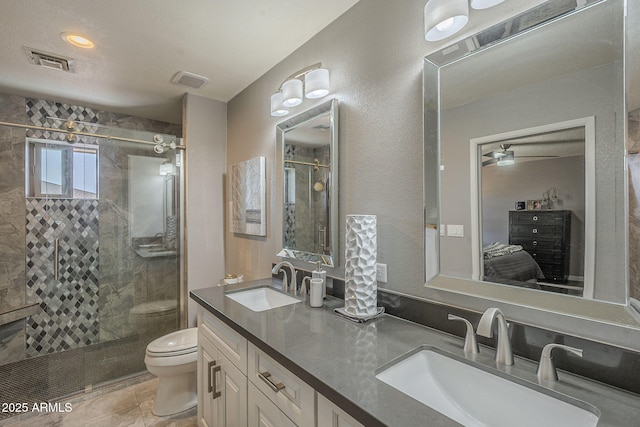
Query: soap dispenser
point(319, 273)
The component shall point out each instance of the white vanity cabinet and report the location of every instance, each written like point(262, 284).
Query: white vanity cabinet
point(222, 374)
point(329, 415)
point(292, 396)
point(239, 385)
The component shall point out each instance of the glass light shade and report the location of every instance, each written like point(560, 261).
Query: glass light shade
point(444, 18)
point(292, 93)
point(167, 169)
point(484, 4)
point(316, 83)
point(277, 109)
point(506, 160)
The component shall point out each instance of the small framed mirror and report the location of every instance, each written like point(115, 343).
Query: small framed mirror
point(308, 147)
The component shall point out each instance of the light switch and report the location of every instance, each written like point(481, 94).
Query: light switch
point(455, 230)
point(443, 230)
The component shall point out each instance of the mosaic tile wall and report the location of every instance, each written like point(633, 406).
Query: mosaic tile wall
point(289, 225)
point(69, 316)
point(128, 281)
point(301, 235)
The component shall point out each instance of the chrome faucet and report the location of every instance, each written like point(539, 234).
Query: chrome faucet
point(294, 276)
point(504, 355)
point(546, 367)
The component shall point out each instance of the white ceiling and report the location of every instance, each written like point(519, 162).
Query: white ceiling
point(141, 44)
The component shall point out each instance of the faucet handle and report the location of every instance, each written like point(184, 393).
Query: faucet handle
point(470, 341)
point(546, 368)
point(303, 286)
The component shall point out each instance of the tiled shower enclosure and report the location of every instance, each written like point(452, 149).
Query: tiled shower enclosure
point(73, 267)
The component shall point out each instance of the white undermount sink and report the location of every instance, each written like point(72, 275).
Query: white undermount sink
point(261, 299)
point(474, 397)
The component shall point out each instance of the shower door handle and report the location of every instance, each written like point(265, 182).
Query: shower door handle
point(56, 259)
point(212, 379)
point(322, 237)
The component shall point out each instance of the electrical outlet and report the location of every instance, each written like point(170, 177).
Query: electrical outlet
point(381, 273)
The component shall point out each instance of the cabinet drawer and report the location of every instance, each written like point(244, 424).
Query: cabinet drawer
point(531, 245)
point(289, 393)
point(536, 230)
point(265, 413)
point(547, 257)
point(531, 217)
point(552, 270)
point(230, 343)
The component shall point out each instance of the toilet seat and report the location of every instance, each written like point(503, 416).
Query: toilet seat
point(176, 343)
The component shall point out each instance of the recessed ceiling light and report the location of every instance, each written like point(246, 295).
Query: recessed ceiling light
point(77, 40)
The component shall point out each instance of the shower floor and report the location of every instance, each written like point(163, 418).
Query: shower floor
point(130, 405)
point(57, 376)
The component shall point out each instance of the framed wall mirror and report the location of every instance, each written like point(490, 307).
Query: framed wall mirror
point(527, 127)
point(308, 145)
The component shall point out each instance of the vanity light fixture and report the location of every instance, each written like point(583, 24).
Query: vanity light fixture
point(77, 40)
point(316, 83)
point(277, 107)
point(313, 81)
point(444, 18)
point(484, 4)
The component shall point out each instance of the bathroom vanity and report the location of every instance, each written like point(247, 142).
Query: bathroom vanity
point(298, 365)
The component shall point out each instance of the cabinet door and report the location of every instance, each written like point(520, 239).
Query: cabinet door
point(207, 354)
point(263, 412)
point(329, 415)
point(222, 388)
point(232, 403)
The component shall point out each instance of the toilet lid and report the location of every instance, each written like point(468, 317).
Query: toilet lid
point(176, 343)
point(155, 307)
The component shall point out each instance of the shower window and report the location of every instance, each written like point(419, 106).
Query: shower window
point(61, 170)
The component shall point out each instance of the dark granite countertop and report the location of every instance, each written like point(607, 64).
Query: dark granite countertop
point(340, 359)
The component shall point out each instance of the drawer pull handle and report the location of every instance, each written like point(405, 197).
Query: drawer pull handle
point(535, 231)
point(264, 376)
point(212, 379)
point(535, 217)
point(535, 243)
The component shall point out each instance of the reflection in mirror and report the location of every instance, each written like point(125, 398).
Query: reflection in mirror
point(153, 218)
point(533, 189)
point(499, 102)
point(309, 159)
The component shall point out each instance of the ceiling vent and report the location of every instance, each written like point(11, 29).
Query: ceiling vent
point(49, 60)
point(185, 78)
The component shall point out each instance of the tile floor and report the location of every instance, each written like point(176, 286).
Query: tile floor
point(128, 406)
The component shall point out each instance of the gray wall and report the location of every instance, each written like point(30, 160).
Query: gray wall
point(374, 53)
point(205, 132)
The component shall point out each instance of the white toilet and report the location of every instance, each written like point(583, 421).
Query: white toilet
point(173, 358)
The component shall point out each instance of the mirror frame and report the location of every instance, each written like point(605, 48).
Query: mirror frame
point(331, 108)
point(607, 322)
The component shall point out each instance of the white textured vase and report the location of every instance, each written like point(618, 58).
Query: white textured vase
point(361, 292)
